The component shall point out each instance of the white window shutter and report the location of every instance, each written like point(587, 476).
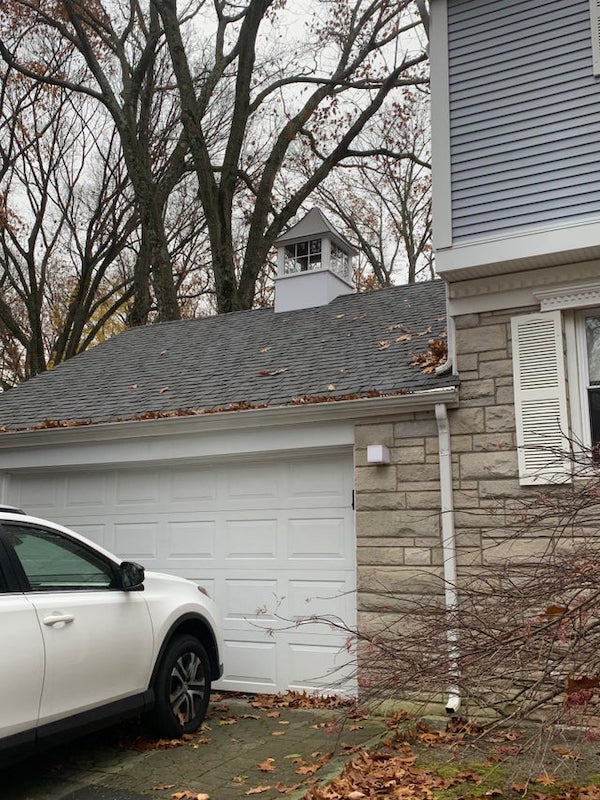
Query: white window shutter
point(595, 24)
point(540, 398)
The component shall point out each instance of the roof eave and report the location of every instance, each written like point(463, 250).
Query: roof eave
point(348, 410)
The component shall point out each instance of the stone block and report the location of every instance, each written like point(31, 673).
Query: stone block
point(499, 418)
point(425, 500)
point(467, 362)
point(481, 339)
point(500, 489)
point(461, 443)
point(379, 501)
point(494, 442)
point(468, 556)
point(466, 499)
point(477, 389)
point(498, 368)
point(399, 580)
point(380, 556)
point(374, 433)
point(408, 455)
point(417, 523)
point(505, 395)
point(467, 321)
point(407, 473)
point(486, 465)
point(466, 421)
point(417, 556)
point(375, 479)
point(381, 523)
point(405, 429)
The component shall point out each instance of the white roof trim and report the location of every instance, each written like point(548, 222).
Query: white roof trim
point(573, 296)
point(346, 410)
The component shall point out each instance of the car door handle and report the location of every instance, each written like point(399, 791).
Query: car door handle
point(54, 619)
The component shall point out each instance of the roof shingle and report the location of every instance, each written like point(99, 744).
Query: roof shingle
point(356, 345)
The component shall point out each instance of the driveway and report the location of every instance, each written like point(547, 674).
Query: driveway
point(243, 750)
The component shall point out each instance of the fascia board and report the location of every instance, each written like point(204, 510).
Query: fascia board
point(518, 250)
point(312, 413)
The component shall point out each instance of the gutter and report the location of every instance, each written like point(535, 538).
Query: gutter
point(453, 700)
point(309, 413)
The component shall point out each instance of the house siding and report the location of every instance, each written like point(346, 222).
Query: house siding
point(398, 530)
point(520, 73)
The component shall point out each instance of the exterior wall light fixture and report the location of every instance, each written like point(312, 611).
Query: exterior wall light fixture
point(378, 454)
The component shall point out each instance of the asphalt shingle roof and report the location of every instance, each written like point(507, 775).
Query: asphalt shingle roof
point(356, 345)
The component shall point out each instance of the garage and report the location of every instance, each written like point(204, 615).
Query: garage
point(271, 539)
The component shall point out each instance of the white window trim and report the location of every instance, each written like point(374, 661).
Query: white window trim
point(582, 295)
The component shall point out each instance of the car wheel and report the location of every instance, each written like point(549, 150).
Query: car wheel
point(181, 688)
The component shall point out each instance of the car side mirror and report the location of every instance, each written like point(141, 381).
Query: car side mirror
point(131, 576)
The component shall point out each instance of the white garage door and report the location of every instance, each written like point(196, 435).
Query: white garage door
point(272, 541)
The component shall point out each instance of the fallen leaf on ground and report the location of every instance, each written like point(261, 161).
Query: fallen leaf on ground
point(545, 780)
point(268, 765)
point(258, 790)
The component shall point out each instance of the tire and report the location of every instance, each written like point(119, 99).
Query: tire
point(181, 688)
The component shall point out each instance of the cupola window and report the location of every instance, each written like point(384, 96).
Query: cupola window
point(303, 256)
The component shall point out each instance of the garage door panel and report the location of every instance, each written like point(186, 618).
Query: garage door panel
point(137, 541)
point(322, 483)
point(41, 496)
point(244, 600)
point(195, 540)
point(193, 485)
point(101, 534)
point(253, 539)
point(316, 538)
point(325, 667)
point(86, 490)
point(309, 598)
point(250, 665)
point(252, 482)
point(138, 488)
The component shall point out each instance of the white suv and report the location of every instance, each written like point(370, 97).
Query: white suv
point(88, 639)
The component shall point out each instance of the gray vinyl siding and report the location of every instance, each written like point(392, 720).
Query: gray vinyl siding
point(524, 115)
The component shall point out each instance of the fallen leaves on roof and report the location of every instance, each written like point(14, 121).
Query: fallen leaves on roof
point(435, 355)
point(194, 412)
point(269, 372)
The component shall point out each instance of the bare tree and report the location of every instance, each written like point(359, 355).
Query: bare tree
point(113, 55)
point(67, 222)
point(384, 201)
point(316, 95)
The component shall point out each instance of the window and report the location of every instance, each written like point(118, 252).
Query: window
point(52, 562)
point(340, 262)
point(303, 256)
point(589, 360)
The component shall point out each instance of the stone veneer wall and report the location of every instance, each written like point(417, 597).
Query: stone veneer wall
point(398, 506)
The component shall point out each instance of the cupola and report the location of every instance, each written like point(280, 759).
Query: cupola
point(314, 264)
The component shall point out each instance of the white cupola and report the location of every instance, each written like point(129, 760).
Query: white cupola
point(314, 264)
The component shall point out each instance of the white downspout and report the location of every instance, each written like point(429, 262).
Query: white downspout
point(449, 550)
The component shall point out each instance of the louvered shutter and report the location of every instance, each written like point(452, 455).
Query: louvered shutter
point(595, 24)
point(540, 398)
